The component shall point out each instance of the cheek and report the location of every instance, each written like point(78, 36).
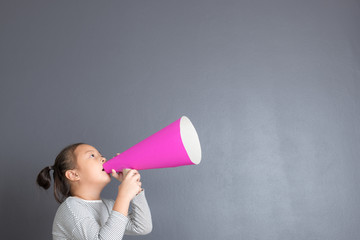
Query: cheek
point(88, 171)
point(95, 173)
point(91, 172)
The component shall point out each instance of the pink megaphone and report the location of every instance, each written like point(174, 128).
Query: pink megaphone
point(173, 146)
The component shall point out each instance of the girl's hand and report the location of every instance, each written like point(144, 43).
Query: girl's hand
point(118, 175)
point(131, 185)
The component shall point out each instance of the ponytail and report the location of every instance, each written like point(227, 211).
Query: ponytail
point(65, 160)
point(44, 179)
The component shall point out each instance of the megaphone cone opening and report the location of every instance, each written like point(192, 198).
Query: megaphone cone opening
point(190, 140)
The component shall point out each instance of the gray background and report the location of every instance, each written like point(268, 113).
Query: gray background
point(271, 86)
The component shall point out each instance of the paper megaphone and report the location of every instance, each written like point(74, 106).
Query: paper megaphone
point(173, 146)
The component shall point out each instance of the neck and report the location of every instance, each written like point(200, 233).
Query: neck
point(86, 192)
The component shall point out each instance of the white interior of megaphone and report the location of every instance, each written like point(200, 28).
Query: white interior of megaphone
point(190, 140)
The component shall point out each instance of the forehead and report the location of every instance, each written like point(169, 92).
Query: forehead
point(83, 149)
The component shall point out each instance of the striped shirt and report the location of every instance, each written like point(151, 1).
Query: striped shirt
point(77, 218)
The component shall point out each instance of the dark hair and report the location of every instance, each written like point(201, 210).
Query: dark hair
point(64, 161)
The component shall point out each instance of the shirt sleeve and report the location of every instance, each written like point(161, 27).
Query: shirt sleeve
point(140, 222)
point(89, 228)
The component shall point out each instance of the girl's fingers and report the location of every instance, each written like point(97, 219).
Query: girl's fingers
point(133, 174)
point(118, 175)
point(114, 173)
point(137, 176)
point(133, 171)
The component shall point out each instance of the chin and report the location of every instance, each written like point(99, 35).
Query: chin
point(108, 179)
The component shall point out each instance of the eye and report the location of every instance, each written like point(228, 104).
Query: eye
point(92, 155)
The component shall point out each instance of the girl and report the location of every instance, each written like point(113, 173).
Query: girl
point(82, 214)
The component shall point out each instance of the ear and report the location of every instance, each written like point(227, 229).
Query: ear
point(72, 175)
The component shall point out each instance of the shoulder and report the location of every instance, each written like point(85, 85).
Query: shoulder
point(71, 211)
point(72, 208)
point(67, 215)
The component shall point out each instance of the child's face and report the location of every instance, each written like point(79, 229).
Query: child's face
point(89, 165)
